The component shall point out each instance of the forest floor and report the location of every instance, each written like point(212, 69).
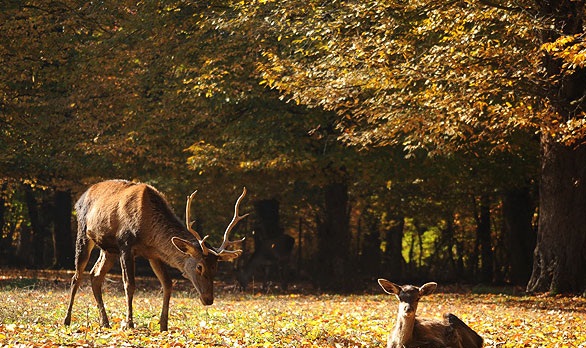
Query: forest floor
point(33, 305)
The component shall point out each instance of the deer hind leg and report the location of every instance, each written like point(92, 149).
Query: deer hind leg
point(127, 262)
point(161, 273)
point(84, 246)
point(98, 274)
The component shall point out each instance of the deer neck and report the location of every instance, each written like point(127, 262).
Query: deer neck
point(402, 333)
point(175, 258)
point(165, 249)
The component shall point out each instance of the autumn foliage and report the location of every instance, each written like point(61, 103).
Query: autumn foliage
point(443, 138)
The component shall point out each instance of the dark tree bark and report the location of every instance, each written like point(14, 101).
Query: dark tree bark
point(448, 241)
point(24, 256)
point(559, 264)
point(484, 240)
point(370, 256)
point(443, 263)
point(64, 253)
point(334, 254)
point(420, 229)
point(300, 245)
point(267, 218)
point(519, 238)
point(272, 248)
point(3, 242)
point(394, 262)
point(39, 226)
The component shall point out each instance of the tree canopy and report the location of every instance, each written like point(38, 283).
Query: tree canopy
point(418, 110)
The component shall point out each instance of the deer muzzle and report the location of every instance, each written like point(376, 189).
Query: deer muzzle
point(206, 299)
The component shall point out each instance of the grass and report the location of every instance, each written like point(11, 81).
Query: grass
point(33, 308)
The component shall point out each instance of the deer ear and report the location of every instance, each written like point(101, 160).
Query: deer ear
point(389, 287)
point(185, 247)
point(427, 288)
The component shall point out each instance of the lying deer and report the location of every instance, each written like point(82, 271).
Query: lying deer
point(125, 220)
point(410, 331)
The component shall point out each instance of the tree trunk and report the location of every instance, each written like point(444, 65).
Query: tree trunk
point(520, 238)
point(64, 253)
point(24, 256)
point(447, 239)
point(39, 227)
point(334, 271)
point(4, 243)
point(443, 263)
point(272, 248)
point(485, 240)
point(267, 218)
point(394, 251)
point(370, 256)
point(411, 264)
point(300, 246)
point(559, 263)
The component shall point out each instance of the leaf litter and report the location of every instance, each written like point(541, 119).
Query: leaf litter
point(32, 317)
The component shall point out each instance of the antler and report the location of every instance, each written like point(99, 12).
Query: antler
point(221, 251)
point(189, 224)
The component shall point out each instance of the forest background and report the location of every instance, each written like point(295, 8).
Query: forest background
point(407, 140)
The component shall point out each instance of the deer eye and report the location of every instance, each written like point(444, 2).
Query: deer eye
point(199, 268)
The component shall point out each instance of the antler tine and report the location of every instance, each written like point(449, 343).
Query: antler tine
point(189, 224)
point(235, 220)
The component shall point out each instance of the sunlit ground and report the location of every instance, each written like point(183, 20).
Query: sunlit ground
point(32, 310)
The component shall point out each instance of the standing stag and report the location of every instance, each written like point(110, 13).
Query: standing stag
point(126, 220)
point(411, 332)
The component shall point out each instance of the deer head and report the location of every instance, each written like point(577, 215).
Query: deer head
point(408, 295)
point(202, 263)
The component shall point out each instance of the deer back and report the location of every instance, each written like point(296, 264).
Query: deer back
point(119, 213)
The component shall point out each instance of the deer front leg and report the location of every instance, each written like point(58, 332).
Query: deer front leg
point(127, 262)
point(161, 273)
point(98, 274)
